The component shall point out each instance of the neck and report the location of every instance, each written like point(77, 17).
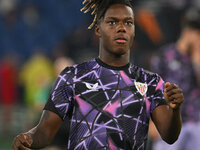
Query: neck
point(114, 60)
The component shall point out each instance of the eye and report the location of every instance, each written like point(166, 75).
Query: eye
point(112, 22)
point(129, 23)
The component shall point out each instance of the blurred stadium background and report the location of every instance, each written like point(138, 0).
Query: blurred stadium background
point(39, 37)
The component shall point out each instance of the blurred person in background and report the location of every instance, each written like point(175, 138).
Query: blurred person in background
point(176, 63)
point(196, 61)
point(108, 100)
point(82, 40)
point(36, 76)
point(61, 58)
point(7, 6)
point(8, 91)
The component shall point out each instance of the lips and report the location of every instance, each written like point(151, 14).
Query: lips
point(121, 39)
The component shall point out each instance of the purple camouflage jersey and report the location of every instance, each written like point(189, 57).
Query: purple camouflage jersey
point(174, 67)
point(108, 107)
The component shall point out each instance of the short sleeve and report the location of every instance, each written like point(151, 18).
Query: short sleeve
point(61, 95)
point(158, 96)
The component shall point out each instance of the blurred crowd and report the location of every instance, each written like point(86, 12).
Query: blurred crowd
point(40, 38)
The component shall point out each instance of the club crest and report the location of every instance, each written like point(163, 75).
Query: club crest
point(141, 87)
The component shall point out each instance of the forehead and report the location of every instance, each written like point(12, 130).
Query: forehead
point(119, 11)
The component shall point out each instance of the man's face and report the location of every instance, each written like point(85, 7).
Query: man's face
point(116, 29)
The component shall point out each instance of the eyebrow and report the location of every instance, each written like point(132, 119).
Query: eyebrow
point(114, 18)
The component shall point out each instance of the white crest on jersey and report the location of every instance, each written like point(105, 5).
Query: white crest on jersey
point(141, 87)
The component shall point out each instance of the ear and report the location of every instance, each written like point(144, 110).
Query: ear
point(97, 30)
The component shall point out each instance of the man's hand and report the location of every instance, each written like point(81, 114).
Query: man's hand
point(41, 135)
point(22, 142)
point(173, 95)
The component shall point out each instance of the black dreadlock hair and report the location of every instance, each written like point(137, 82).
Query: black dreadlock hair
point(99, 7)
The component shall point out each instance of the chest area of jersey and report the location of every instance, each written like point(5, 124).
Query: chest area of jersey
point(114, 94)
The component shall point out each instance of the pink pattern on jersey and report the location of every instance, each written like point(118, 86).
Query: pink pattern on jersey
point(111, 145)
point(126, 78)
point(112, 108)
point(84, 106)
point(160, 85)
point(148, 104)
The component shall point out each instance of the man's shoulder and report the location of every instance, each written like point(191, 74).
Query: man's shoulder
point(86, 65)
point(143, 72)
point(151, 75)
point(144, 75)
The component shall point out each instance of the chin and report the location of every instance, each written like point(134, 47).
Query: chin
point(120, 52)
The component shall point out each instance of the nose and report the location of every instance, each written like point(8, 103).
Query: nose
point(121, 27)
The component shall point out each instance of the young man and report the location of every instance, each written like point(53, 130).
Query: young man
point(108, 100)
point(180, 58)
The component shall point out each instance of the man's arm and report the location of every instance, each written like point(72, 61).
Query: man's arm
point(41, 135)
point(167, 118)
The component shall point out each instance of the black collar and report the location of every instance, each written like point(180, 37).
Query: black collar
point(101, 63)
